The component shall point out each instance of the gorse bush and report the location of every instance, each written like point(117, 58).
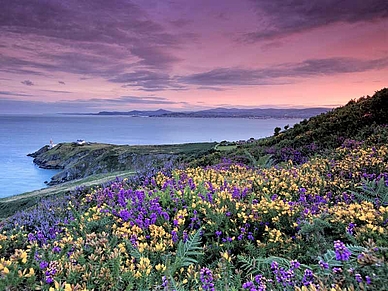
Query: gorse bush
point(315, 226)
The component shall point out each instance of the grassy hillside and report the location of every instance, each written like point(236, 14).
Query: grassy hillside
point(80, 161)
point(362, 120)
point(316, 225)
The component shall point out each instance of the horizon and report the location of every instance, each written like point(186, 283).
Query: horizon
point(74, 57)
point(172, 111)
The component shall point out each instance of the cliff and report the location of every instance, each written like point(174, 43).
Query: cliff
point(79, 161)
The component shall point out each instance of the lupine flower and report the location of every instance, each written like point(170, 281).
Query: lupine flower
point(308, 277)
point(295, 264)
point(358, 278)
point(342, 253)
point(206, 277)
point(350, 228)
point(43, 265)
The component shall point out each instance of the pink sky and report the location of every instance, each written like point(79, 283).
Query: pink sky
point(94, 55)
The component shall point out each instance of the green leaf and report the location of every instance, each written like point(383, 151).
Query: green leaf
point(187, 252)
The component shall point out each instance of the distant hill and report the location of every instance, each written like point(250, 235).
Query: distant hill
point(253, 113)
point(226, 113)
point(136, 113)
point(359, 121)
point(362, 120)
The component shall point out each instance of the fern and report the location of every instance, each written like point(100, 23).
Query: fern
point(250, 158)
point(373, 190)
point(134, 252)
point(248, 264)
point(318, 225)
point(174, 284)
point(255, 266)
point(356, 250)
point(187, 252)
point(329, 256)
point(266, 161)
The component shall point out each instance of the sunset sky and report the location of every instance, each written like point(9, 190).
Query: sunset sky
point(93, 55)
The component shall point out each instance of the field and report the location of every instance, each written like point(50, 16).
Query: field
point(319, 225)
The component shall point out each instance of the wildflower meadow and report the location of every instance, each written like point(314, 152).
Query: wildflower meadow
point(321, 225)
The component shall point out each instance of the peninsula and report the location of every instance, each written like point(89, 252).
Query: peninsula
point(223, 113)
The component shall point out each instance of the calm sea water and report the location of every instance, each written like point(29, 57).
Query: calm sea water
point(20, 135)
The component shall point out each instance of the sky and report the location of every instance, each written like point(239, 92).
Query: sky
point(121, 55)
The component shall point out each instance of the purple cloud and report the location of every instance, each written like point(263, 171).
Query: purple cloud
point(146, 80)
point(280, 18)
point(27, 82)
point(99, 38)
point(9, 93)
point(275, 75)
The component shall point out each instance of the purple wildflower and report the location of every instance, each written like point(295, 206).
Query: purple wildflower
point(350, 228)
point(165, 281)
point(368, 280)
point(43, 265)
point(337, 270)
point(206, 277)
point(358, 278)
point(56, 249)
point(323, 264)
point(342, 253)
point(124, 215)
point(248, 285)
point(308, 277)
point(295, 264)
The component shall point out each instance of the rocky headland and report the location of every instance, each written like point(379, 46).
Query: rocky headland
point(75, 161)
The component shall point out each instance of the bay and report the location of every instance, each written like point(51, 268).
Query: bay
point(23, 134)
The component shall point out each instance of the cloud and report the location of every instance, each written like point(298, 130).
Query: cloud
point(280, 18)
point(283, 73)
point(147, 80)
point(228, 77)
point(99, 38)
point(146, 100)
point(181, 22)
point(9, 93)
point(211, 88)
point(125, 100)
point(57, 91)
point(154, 57)
point(73, 106)
point(19, 66)
point(27, 82)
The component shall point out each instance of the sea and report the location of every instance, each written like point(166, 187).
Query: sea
point(24, 134)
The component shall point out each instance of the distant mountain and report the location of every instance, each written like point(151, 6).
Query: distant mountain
point(227, 113)
point(253, 113)
point(136, 113)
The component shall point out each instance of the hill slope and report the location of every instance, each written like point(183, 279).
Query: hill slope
point(362, 120)
point(79, 161)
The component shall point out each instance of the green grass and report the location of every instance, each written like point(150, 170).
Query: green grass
point(225, 148)
point(12, 204)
